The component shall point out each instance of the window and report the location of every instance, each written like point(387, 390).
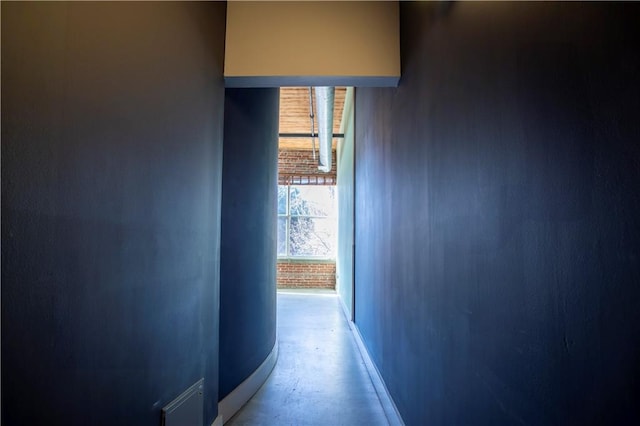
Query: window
point(306, 221)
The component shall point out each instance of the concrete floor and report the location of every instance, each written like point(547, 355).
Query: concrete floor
point(320, 378)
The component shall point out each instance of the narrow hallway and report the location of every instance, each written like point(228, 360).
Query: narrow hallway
point(320, 377)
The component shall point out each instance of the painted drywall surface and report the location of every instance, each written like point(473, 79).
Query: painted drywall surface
point(111, 186)
point(344, 260)
point(312, 39)
point(497, 225)
point(249, 235)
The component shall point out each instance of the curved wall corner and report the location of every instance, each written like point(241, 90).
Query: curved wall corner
point(242, 393)
point(248, 236)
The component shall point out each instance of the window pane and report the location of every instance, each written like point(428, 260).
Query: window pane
point(312, 236)
point(309, 200)
point(282, 199)
point(282, 236)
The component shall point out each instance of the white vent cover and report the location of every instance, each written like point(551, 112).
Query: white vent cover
point(187, 409)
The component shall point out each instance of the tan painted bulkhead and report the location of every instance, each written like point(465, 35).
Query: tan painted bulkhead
point(349, 40)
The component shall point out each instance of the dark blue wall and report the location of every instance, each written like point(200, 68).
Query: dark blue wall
point(111, 186)
point(498, 215)
point(248, 245)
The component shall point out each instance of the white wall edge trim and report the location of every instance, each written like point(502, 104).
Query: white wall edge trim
point(233, 402)
point(390, 410)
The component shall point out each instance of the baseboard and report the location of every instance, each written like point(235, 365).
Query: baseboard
point(217, 421)
point(347, 314)
point(233, 402)
point(390, 410)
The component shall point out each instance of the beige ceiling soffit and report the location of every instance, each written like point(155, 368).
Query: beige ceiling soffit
point(312, 43)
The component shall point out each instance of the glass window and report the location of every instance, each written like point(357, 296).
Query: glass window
point(282, 236)
point(306, 221)
point(282, 199)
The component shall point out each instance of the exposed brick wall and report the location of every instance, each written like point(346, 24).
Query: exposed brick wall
point(305, 274)
point(301, 162)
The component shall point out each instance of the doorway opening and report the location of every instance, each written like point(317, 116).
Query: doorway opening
point(315, 208)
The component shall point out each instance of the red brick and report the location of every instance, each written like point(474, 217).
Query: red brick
point(306, 275)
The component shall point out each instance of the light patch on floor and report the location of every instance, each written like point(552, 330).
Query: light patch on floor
point(320, 377)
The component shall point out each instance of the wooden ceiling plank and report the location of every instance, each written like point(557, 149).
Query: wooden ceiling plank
point(294, 111)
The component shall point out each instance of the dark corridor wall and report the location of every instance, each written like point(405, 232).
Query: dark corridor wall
point(111, 187)
point(498, 225)
point(248, 245)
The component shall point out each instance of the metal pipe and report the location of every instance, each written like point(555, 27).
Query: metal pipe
point(306, 135)
point(313, 128)
point(324, 100)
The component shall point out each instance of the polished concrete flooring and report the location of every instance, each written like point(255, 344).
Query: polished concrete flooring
point(320, 378)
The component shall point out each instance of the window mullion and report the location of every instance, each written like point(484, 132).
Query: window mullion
point(288, 220)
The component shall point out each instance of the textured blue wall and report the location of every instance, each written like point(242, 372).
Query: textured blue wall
point(112, 120)
point(248, 245)
point(498, 226)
